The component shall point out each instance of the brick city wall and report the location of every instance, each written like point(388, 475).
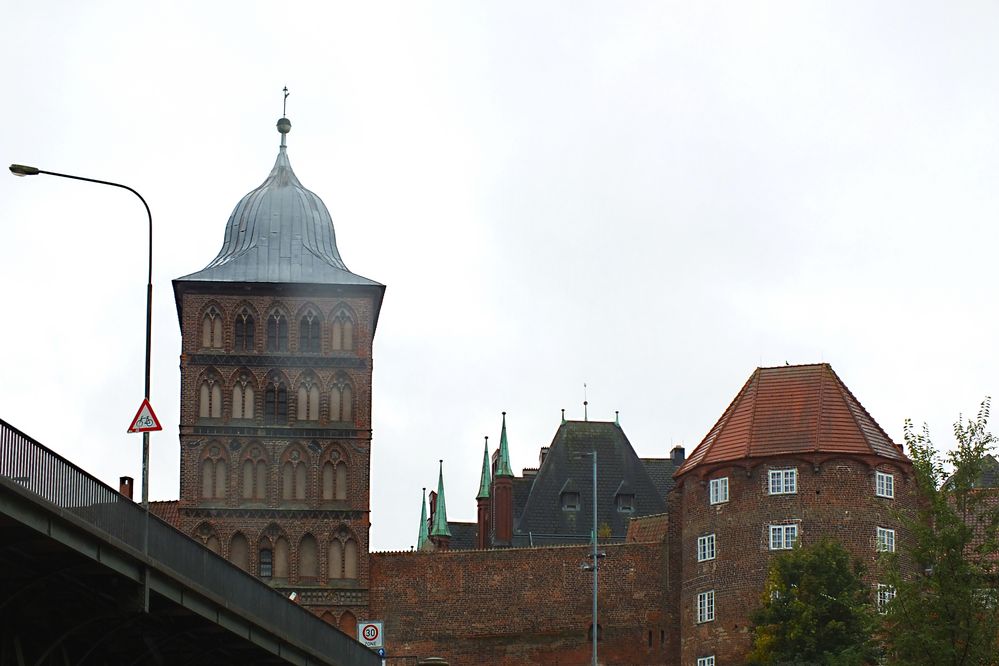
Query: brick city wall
point(520, 606)
point(836, 499)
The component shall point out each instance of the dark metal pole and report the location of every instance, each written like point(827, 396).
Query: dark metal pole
point(596, 558)
point(21, 170)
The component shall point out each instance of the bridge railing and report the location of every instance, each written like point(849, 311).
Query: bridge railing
point(28, 464)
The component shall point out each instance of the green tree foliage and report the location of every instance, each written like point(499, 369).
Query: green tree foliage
point(945, 610)
point(816, 610)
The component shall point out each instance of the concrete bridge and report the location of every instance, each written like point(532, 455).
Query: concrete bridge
point(88, 578)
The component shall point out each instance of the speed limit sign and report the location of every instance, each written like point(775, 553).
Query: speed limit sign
point(369, 632)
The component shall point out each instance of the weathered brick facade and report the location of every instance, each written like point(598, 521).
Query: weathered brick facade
point(331, 519)
point(835, 497)
point(522, 606)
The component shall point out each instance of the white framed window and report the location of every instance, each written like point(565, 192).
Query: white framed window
point(884, 484)
point(706, 606)
point(885, 594)
point(706, 548)
point(706, 661)
point(886, 540)
point(783, 481)
point(782, 537)
point(718, 490)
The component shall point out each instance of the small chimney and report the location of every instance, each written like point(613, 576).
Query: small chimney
point(677, 455)
point(543, 455)
point(125, 486)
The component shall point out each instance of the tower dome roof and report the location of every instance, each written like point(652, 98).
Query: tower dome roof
point(280, 233)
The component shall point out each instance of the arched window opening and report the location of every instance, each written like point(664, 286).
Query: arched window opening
point(244, 331)
point(242, 398)
point(211, 329)
point(266, 562)
point(239, 551)
point(342, 333)
point(336, 560)
point(350, 560)
point(308, 559)
point(281, 558)
point(275, 401)
point(293, 476)
point(254, 474)
point(341, 480)
point(214, 477)
point(341, 400)
point(329, 475)
point(308, 400)
point(210, 398)
point(348, 624)
point(328, 618)
point(213, 544)
point(277, 333)
point(309, 333)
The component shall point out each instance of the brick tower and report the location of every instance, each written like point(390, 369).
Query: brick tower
point(275, 408)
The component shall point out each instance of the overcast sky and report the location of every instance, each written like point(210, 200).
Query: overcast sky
point(651, 198)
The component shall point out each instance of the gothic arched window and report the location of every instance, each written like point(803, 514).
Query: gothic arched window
point(275, 401)
point(244, 331)
point(242, 398)
point(308, 400)
point(239, 551)
point(293, 475)
point(308, 559)
point(254, 475)
point(277, 332)
point(350, 560)
point(214, 476)
point(334, 478)
point(341, 400)
point(342, 332)
point(309, 333)
point(210, 397)
point(211, 329)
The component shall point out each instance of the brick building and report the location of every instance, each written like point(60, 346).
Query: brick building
point(275, 434)
point(275, 418)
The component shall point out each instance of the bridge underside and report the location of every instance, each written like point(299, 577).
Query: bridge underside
point(59, 606)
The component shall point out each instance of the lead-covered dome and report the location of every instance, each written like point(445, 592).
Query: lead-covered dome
point(280, 233)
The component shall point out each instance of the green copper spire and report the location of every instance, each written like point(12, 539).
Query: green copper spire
point(503, 464)
point(439, 528)
point(422, 539)
point(486, 479)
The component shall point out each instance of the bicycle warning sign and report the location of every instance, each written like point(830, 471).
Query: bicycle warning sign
point(145, 419)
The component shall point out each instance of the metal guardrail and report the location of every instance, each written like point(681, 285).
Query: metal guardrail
point(61, 484)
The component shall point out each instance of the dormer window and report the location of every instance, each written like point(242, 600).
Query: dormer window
point(626, 503)
point(570, 501)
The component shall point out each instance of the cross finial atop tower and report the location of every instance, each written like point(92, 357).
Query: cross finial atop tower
point(284, 107)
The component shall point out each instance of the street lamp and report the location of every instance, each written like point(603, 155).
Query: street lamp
point(22, 170)
point(595, 555)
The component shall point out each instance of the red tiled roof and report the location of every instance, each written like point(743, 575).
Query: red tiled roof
point(787, 410)
point(647, 529)
point(167, 511)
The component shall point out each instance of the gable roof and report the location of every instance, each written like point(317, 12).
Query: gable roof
point(789, 410)
point(618, 466)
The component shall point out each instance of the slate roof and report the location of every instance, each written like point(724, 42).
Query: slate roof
point(619, 468)
point(793, 410)
point(661, 472)
point(464, 536)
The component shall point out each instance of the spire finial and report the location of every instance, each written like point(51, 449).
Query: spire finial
point(503, 462)
point(421, 540)
point(563, 415)
point(486, 479)
point(586, 415)
point(617, 418)
point(283, 124)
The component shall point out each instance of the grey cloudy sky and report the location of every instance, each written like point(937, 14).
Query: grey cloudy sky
point(652, 198)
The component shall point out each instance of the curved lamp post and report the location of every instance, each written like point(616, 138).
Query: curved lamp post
point(596, 554)
point(22, 170)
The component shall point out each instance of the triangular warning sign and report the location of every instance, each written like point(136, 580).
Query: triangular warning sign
point(145, 419)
